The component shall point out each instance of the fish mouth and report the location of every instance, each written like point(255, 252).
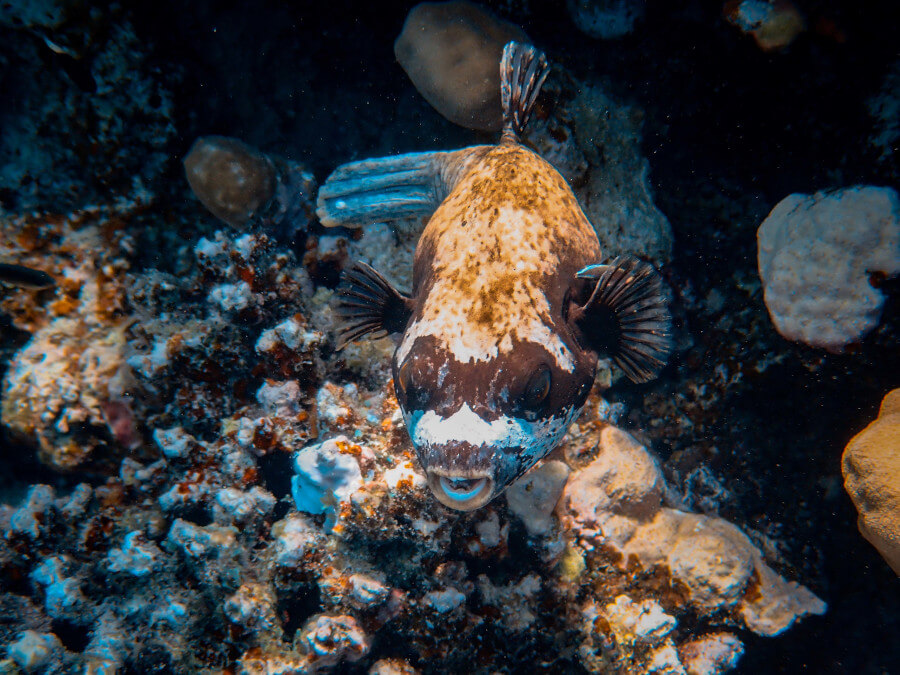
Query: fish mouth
point(461, 491)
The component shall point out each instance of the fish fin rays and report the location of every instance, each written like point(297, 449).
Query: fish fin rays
point(523, 69)
point(391, 188)
point(627, 316)
point(369, 305)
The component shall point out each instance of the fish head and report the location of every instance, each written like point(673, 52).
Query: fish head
point(478, 426)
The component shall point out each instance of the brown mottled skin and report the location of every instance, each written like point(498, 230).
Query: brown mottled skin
point(499, 254)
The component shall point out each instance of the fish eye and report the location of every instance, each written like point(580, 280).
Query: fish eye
point(413, 397)
point(537, 389)
point(403, 378)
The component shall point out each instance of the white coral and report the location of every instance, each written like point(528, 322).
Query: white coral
point(815, 255)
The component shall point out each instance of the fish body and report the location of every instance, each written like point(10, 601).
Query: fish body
point(25, 277)
point(510, 304)
point(492, 273)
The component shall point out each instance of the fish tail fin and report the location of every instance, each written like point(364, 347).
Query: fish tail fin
point(369, 304)
point(627, 316)
point(523, 70)
point(385, 188)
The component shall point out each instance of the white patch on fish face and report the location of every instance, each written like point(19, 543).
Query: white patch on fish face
point(488, 290)
point(530, 440)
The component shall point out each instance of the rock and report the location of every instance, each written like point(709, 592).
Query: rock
point(451, 52)
point(616, 500)
point(332, 639)
point(231, 179)
point(533, 497)
point(871, 466)
point(711, 654)
point(616, 195)
point(774, 24)
point(815, 255)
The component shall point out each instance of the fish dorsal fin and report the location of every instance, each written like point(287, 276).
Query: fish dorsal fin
point(523, 70)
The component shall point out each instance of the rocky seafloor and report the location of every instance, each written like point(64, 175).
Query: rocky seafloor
point(194, 479)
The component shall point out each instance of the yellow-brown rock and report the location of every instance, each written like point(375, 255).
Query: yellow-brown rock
point(230, 178)
point(871, 465)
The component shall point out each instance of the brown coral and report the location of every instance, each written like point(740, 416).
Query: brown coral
point(871, 466)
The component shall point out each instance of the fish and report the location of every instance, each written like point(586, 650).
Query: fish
point(25, 277)
point(512, 302)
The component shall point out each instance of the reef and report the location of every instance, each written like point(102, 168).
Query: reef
point(193, 478)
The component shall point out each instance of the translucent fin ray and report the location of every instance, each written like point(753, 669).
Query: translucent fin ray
point(523, 70)
point(369, 305)
point(385, 188)
point(627, 316)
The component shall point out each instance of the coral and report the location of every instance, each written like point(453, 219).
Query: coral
point(451, 52)
point(871, 467)
point(712, 654)
point(238, 183)
point(816, 254)
point(605, 19)
point(95, 124)
point(774, 24)
point(534, 497)
point(595, 142)
point(194, 544)
point(325, 475)
point(34, 651)
point(615, 501)
point(332, 639)
point(68, 389)
point(205, 362)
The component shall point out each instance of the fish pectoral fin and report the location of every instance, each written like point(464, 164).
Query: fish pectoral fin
point(389, 188)
point(369, 305)
point(627, 316)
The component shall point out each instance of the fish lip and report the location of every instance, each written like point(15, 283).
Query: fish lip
point(477, 494)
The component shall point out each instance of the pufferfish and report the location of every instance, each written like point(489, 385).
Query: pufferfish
point(511, 301)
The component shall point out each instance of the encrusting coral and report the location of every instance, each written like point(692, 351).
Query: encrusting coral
point(816, 255)
point(199, 537)
point(871, 467)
